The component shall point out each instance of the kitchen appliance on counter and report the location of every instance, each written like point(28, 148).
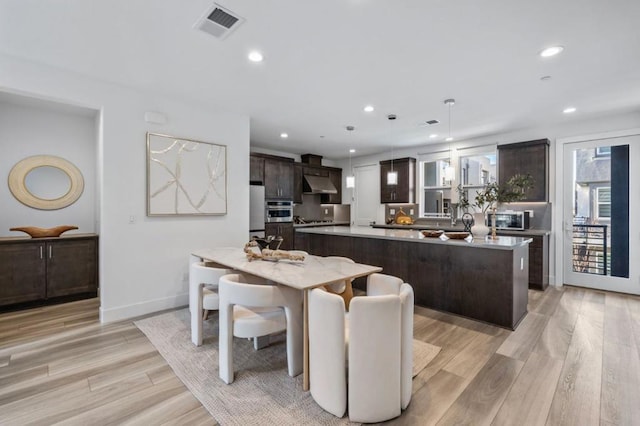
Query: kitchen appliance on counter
point(256, 211)
point(278, 211)
point(510, 220)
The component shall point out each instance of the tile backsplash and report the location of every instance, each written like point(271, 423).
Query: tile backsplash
point(541, 215)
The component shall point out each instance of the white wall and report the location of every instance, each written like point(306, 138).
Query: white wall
point(143, 265)
point(27, 130)
point(572, 127)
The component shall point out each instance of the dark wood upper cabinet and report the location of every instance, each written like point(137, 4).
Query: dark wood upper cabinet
point(256, 170)
point(297, 183)
point(278, 178)
point(405, 190)
point(530, 157)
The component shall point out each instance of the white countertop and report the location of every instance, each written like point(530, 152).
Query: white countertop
point(503, 242)
point(512, 232)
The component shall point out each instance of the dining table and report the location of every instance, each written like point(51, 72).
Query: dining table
point(303, 275)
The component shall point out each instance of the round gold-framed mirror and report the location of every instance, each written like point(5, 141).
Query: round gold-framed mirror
point(32, 169)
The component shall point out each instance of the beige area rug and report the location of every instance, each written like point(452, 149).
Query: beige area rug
point(262, 393)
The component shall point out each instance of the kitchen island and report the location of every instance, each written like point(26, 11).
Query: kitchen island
point(486, 280)
point(538, 248)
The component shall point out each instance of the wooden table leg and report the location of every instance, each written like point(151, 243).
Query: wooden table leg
point(305, 340)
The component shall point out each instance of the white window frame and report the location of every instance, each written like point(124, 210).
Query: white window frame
point(598, 203)
point(475, 151)
point(429, 158)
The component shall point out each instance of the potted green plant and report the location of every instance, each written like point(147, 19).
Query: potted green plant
point(463, 201)
point(493, 194)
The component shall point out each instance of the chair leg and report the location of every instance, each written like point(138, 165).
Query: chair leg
point(225, 342)
point(260, 342)
point(205, 316)
point(294, 340)
point(196, 317)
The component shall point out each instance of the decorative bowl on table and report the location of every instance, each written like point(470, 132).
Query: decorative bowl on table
point(430, 233)
point(457, 235)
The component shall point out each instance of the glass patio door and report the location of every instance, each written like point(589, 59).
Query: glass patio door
point(600, 219)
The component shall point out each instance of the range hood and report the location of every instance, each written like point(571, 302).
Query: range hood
point(318, 185)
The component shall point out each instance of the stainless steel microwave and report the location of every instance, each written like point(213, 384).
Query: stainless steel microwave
point(278, 211)
point(518, 221)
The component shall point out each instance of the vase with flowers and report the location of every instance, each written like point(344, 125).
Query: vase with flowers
point(493, 194)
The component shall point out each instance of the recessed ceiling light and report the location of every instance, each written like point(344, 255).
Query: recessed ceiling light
point(449, 139)
point(284, 135)
point(569, 110)
point(551, 51)
point(433, 136)
point(255, 56)
point(368, 108)
point(351, 151)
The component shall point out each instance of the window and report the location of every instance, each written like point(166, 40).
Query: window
point(478, 170)
point(603, 202)
point(603, 151)
point(435, 189)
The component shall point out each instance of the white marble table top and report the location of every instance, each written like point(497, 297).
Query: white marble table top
point(314, 271)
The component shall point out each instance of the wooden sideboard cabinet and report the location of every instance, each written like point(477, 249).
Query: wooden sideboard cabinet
point(46, 268)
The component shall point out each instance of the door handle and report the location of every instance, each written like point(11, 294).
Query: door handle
point(41, 249)
point(50, 252)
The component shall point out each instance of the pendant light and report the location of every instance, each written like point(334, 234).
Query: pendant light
point(351, 179)
point(392, 175)
point(450, 171)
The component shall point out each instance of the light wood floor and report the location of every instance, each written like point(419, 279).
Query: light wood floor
point(573, 360)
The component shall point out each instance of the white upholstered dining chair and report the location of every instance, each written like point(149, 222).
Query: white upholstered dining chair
point(203, 296)
point(376, 337)
point(258, 309)
point(342, 288)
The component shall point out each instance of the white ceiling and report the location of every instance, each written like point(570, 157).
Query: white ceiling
point(325, 60)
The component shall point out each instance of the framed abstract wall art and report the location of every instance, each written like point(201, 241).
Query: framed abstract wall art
point(185, 177)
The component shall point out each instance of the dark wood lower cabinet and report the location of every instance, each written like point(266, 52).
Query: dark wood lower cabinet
point(539, 263)
point(42, 269)
point(22, 273)
point(538, 258)
point(489, 285)
point(282, 229)
point(72, 267)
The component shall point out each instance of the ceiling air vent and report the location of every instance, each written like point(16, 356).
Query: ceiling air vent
point(432, 122)
point(219, 22)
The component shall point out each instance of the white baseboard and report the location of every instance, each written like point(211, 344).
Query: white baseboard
point(143, 308)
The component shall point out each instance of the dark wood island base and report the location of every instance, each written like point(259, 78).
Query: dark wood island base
point(477, 280)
